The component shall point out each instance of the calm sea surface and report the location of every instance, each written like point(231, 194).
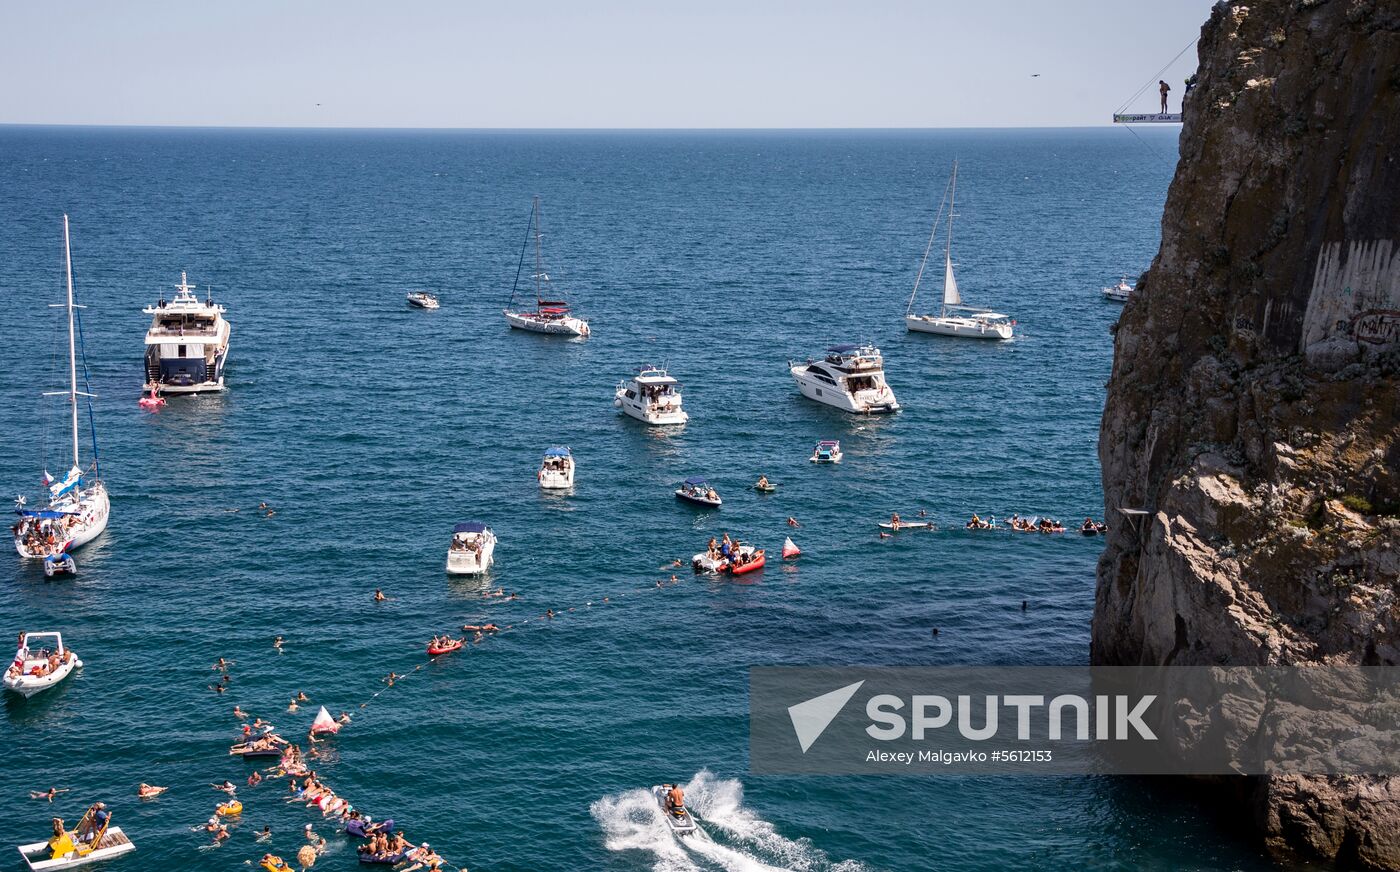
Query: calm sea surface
point(371, 428)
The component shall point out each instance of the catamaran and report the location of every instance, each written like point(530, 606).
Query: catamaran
point(187, 343)
point(550, 315)
point(953, 319)
point(78, 505)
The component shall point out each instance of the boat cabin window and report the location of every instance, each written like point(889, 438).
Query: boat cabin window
point(181, 352)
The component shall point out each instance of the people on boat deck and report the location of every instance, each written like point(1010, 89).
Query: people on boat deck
point(762, 481)
point(94, 823)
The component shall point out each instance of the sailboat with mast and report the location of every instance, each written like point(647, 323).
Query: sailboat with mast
point(953, 318)
point(78, 506)
point(551, 313)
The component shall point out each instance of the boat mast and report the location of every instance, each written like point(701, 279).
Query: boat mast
point(72, 341)
point(933, 234)
point(948, 249)
point(539, 257)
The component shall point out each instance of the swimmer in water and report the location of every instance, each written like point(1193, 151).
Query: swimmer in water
point(379, 596)
point(147, 791)
point(292, 706)
point(240, 713)
point(391, 678)
point(265, 834)
point(549, 613)
point(792, 522)
point(277, 643)
point(302, 697)
point(46, 794)
point(221, 664)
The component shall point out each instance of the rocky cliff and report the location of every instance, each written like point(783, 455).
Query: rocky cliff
point(1252, 411)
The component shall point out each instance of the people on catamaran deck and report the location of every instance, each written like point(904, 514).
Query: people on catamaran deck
point(379, 595)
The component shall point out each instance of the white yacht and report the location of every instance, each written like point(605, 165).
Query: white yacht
point(1120, 292)
point(652, 396)
point(187, 344)
point(472, 549)
point(557, 468)
point(34, 668)
point(850, 377)
point(954, 319)
point(78, 505)
point(422, 300)
point(551, 313)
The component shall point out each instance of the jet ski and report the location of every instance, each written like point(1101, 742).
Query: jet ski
point(680, 821)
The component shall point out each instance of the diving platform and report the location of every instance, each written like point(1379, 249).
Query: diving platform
point(1162, 118)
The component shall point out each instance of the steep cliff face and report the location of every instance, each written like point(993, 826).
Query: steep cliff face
point(1252, 412)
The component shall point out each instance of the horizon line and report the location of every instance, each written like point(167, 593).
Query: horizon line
point(446, 129)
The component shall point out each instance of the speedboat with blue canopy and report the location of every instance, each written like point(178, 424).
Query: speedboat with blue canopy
point(699, 491)
point(187, 343)
point(78, 505)
point(472, 549)
point(557, 468)
point(849, 377)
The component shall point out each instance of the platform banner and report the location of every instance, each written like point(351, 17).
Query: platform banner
point(1181, 720)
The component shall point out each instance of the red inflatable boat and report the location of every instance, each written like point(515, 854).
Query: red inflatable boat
point(434, 650)
point(755, 563)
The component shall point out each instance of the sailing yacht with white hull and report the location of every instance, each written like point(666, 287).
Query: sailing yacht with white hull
point(187, 343)
point(550, 315)
point(953, 319)
point(78, 505)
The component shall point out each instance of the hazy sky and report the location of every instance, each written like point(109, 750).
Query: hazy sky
point(590, 63)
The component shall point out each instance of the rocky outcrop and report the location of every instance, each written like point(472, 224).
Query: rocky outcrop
point(1252, 413)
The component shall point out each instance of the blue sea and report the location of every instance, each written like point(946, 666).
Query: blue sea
point(371, 428)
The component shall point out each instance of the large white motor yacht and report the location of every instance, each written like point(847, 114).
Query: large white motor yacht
point(187, 344)
point(472, 549)
point(850, 377)
point(652, 396)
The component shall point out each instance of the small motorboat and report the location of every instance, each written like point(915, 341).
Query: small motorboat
point(448, 648)
point(678, 819)
point(229, 809)
point(696, 490)
point(827, 451)
point(37, 668)
point(422, 300)
point(557, 468)
point(748, 560)
point(68, 851)
point(363, 828)
point(764, 486)
point(790, 549)
point(61, 563)
point(472, 549)
point(1119, 293)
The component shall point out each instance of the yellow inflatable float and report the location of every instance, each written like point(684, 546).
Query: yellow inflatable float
point(232, 807)
point(273, 863)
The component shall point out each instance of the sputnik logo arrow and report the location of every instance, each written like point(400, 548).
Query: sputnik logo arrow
point(811, 718)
